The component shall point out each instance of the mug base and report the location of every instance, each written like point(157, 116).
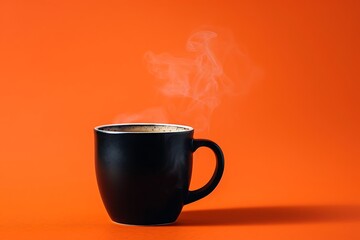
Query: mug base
point(143, 225)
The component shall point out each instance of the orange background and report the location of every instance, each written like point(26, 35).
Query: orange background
point(291, 140)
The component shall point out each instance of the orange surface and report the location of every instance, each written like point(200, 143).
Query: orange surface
point(289, 128)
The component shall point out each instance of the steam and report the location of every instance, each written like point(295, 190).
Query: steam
point(154, 114)
point(192, 86)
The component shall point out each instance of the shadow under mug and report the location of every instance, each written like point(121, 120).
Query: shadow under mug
point(143, 171)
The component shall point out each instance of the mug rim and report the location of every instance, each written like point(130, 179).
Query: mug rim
point(186, 128)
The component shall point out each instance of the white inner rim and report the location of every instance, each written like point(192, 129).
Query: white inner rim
point(99, 128)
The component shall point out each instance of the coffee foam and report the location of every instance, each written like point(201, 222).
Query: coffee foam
point(145, 128)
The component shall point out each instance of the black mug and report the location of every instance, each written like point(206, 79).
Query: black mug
point(143, 171)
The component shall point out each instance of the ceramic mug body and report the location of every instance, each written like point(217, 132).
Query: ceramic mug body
point(143, 171)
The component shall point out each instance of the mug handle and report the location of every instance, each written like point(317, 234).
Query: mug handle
point(215, 179)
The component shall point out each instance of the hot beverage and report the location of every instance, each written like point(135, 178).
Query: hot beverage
point(144, 170)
